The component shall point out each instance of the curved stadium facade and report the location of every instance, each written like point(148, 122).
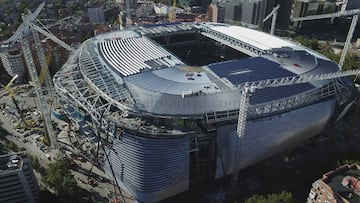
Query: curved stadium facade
point(164, 99)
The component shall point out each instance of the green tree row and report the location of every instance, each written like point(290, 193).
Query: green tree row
point(59, 178)
point(34, 162)
point(11, 146)
point(283, 197)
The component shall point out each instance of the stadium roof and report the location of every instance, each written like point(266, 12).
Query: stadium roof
point(129, 53)
point(136, 73)
point(172, 81)
point(256, 69)
point(251, 69)
point(258, 39)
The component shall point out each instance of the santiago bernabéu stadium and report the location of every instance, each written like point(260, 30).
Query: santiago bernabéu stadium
point(163, 96)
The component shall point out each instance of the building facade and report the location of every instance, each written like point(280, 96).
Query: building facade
point(303, 8)
point(232, 12)
point(216, 13)
point(249, 13)
point(17, 180)
point(96, 15)
point(161, 9)
point(348, 4)
point(13, 62)
point(340, 185)
point(284, 13)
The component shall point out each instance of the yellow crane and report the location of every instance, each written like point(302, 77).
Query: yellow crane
point(172, 12)
point(27, 124)
point(45, 69)
point(11, 94)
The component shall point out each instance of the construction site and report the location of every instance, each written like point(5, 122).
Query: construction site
point(144, 114)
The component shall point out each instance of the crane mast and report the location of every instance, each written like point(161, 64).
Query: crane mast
point(128, 14)
point(29, 23)
point(240, 131)
point(38, 90)
point(274, 14)
point(348, 40)
point(248, 88)
point(43, 64)
point(27, 20)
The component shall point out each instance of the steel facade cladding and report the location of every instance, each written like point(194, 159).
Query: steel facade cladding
point(265, 137)
point(151, 168)
point(168, 104)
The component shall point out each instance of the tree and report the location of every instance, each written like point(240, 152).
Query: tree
point(23, 7)
point(59, 178)
point(311, 43)
point(34, 162)
point(349, 162)
point(11, 146)
point(283, 197)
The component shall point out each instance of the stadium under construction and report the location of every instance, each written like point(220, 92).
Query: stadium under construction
point(162, 101)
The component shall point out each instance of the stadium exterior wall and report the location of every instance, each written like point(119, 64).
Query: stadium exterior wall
point(150, 169)
point(270, 135)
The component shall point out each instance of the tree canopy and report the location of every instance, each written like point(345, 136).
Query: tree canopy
point(59, 178)
point(34, 162)
point(283, 197)
point(347, 161)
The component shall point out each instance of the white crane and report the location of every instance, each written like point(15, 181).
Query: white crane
point(29, 23)
point(250, 87)
point(128, 14)
point(274, 14)
point(22, 27)
point(355, 13)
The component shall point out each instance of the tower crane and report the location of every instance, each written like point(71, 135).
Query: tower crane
point(272, 14)
point(355, 15)
point(29, 24)
point(128, 14)
point(250, 87)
